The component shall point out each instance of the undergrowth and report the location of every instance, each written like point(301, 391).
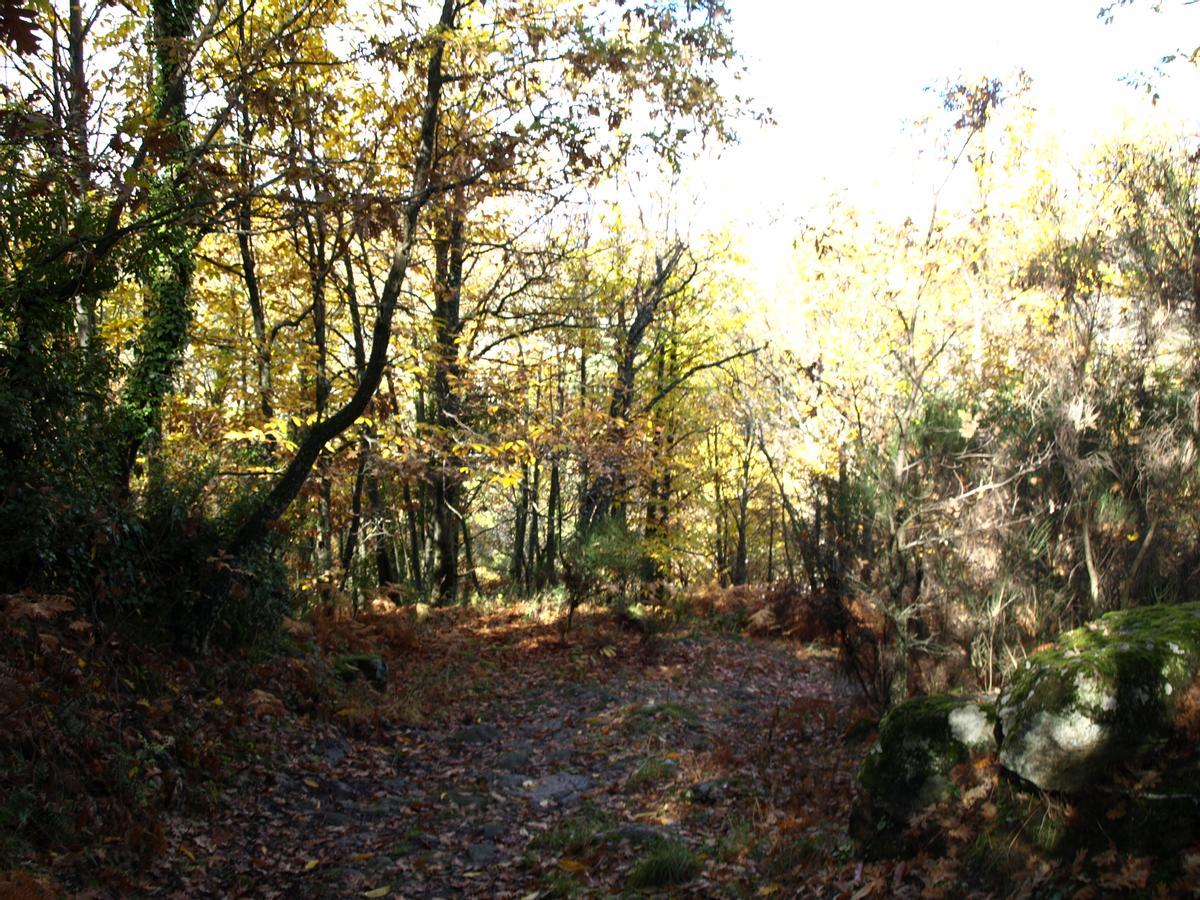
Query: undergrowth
point(666, 863)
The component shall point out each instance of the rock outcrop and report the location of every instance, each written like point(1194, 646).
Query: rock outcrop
point(1103, 693)
point(909, 767)
point(1114, 691)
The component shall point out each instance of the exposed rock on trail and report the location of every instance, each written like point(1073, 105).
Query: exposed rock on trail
point(603, 774)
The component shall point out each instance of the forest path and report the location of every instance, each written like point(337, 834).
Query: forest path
point(712, 765)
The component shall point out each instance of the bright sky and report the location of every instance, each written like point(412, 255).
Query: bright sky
point(843, 77)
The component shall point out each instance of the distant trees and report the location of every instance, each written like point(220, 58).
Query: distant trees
point(1005, 402)
point(208, 265)
point(297, 288)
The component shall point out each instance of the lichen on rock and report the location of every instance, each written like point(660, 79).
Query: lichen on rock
point(1105, 692)
point(908, 768)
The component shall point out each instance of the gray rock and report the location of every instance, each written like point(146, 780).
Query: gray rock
point(475, 734)
point(333, 752)
point(368, 666)
point(509, 782)
point(908, 768)
point(707, 791)
point(482, 854)
point(1104, 693)
point(563, 788)
point(493, 830)
point(513, 761)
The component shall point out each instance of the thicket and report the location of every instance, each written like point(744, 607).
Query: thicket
point(1008, 496)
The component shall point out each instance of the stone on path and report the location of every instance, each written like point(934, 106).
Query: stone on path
point(475, 734)
point(563, 788)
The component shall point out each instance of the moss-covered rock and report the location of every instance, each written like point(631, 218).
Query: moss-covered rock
point(908, 768)
point(1102, 693)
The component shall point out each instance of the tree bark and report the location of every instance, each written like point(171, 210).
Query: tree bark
point(254, 527)
point(516, 569)
point(740, 562)
point(169, 264)
point(547, 572)
point(446, 512)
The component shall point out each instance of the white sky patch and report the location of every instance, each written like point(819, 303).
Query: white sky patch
point(846, 79)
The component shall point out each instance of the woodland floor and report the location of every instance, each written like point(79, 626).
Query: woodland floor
point(498, 761)
point(707, 764)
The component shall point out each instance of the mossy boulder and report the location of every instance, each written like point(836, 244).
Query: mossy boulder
point(908, 768)
point(1103, 693)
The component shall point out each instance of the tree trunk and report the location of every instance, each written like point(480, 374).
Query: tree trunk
point(262, 350)
point(740, 562)
point(414, 539)
point(379, 534)
point(516, 568)
point(535, 489)
point(770, 543)
point(254, 527)
point(351, 541)
point(469, 553)
point(604, 497)
point(547, 571)
point(167, 269)
point(446, 510)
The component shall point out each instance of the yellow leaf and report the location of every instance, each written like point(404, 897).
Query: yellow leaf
point(311, 864)
point(767, 890)
point(312, 783)
point(571, 865)
point(379, 891)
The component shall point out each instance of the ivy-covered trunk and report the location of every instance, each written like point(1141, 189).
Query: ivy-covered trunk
point(168, 254)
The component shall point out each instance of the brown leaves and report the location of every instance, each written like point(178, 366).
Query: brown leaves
point(261, 704)
point(18, 27)
point(23, 886)
point(36, 606)
point(1133, 873)
point(1187, 713)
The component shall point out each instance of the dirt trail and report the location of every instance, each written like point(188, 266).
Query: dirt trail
point(716, 768)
